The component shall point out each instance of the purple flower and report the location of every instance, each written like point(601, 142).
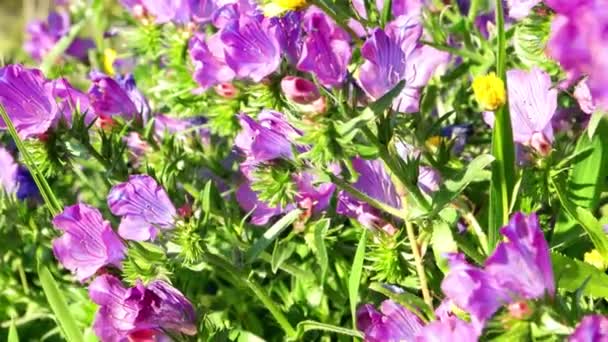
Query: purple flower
point(210, 66)
point(591, 328)
point(28, 99)
point(251, 47)
point(582, 94)
point(144, 206)
point(532, 103)
point(567, 6)
point(522, 265)
point(451, 329)
point(394, 55)
point(428, 179)
point(72, 100)
point(167, 125)
point(473, 290)
point(326, 51)
point(88, 242)
point(303, 94)
point(44, 35)
point(128, 312)
point(27, 187)
point(110, 97)
point(392, 323)
point(519, 9)
point(311, 195)
point(261, 213)
point(289, 33)
point(8, 172)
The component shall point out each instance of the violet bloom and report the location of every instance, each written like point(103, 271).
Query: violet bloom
point(582, 94)
point(210, 66)
point(289, 33)
point(590, 329)
point(451, 329)
point(261, 212)
point(72, 100)
point(144, 206)
point(110, 97)
point(522, 265)
point(519, 9)
point(392, 323)
point(532, 104)
point(88, 242)
point(166, 125)
point(126, 313)
point(8, 172)
point(28, 100)
point(44, 35)
point(394, 55)
point(251, 47)
point(326, 51)
point(303, 94)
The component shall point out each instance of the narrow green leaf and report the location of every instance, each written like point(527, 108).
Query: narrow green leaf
point(13, 336)
point(380, 105)
point(408, 300)
point(503, 148)
point(354, 280)
point(62, 45)
point(321, 228)
point(571, 274)
point(443, 242)
point(281, 252)
point(585, 182)
point(59, 306)
point(270, 235)
point(305, 326)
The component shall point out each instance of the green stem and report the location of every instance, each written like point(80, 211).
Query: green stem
point(45, 190)
point(473, 9)
point(257, 290)
point(503, 168)
point(411, 235)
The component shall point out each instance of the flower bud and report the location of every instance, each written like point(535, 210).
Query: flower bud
point(489, 91)
point(226, 90)
point(540, 143)
point(304, 94)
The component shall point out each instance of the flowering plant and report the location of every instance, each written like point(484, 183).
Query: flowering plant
point(244, 170)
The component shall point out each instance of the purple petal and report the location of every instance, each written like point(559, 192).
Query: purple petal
point(210, 67)
point(591, 328)
point(248, 200)
point(451, 329)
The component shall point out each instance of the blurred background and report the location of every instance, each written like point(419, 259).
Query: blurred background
point(14, 16)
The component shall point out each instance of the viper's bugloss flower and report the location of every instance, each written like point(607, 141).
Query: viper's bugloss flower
point(261, 212)
point(88, 242)
point(582, 94)
point(590, 329)
point(519, 269)
point(119, 96)
point(394, 55)
point(144, 207)
point(128, 313)
point(519, 9)
point(27, 97)
point(326, 51)
point(303, 94)
point(8, 172)
point(44, 35)
point(532, 104)
point(290, 34)
point(450, 329)
point(251, 47)
point(392, 323)
point(209, 61)
point(489, 91)
point(72, 100)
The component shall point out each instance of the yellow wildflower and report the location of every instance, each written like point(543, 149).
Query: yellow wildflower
point(277, 7)
point(595, 258)
point(489, 91)
point(109, 56)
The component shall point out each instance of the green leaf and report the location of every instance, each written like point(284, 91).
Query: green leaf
point(354, 280)
point(380, 105)
point(408, 300)
point(320, 231)
point(13, 336)
point(571, 274)
point(282, 251)
point(270, 235)
point(59, 306)
point(442, 242)
point(585, 183)
point(305, 326)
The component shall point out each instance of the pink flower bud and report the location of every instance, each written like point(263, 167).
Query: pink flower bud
point(540, 143)
point(226, 90)
point(299, 90)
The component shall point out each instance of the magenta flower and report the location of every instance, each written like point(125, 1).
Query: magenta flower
point(532, 104)
point(88, 242)
point(582, 94)
point(8, 172)
point(303, 94)
point(326, 51)
point(28, 99)
point(395, 55)
point(126, 313)
point(451, 329)
point(290, 35)
point(72, 100)
point(261, 212)
point(392, 323)
point(251, 47)
point(110, 97)
point(210, 66)
point(44, 35)
point(591, 328)
point(144, 206)
point(519, 9)
point(522, 265)
point(167, 125)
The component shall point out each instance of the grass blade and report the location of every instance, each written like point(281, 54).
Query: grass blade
point(354, 280)
point(305, 326)
point(59, 306)
point(13, 336)
point(270, 235)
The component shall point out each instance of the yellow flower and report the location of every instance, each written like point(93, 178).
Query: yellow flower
point(109, 56)
point(595, 258)
point(434, 141)
point(277, 7)
point(489, 91)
